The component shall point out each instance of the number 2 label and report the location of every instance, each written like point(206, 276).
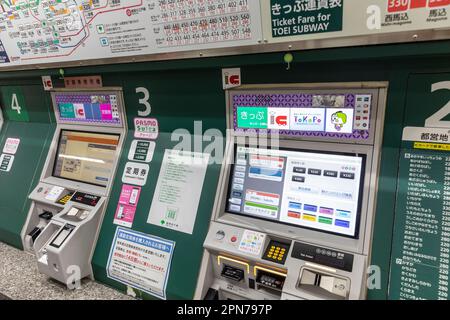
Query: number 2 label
point(435, 121)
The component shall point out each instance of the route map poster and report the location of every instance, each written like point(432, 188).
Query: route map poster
point(48, 31)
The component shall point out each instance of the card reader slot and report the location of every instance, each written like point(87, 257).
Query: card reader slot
point(35, 233)
point(46, 215)
point(270, 281)
point(232, 273)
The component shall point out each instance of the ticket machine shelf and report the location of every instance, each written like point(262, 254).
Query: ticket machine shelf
point(59, 233)
point(304, 271)
point(62, 247)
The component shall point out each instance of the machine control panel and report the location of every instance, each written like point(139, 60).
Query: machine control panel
point(84, 198)
point(63, 201)
point(327, 257)
point(232, 273)
point(276, 252)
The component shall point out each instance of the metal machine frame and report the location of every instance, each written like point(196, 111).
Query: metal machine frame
point(78, 247)
point(360, 247)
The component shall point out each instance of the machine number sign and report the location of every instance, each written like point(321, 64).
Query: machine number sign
point(144, 101)
point(13, 100)
point(436, 119)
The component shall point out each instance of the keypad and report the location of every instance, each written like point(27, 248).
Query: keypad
point(276, 252)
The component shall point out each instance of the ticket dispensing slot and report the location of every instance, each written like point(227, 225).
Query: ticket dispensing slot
point(327, 285)
point(44, 218)
point(269, 280)
point(58, 241)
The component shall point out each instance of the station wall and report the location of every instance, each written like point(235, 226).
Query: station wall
point(182, 92)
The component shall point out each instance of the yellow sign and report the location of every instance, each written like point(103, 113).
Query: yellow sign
point(432, 146)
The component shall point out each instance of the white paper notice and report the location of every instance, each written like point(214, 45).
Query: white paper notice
point(141, 261)
point(252, 242)
point(178, 191)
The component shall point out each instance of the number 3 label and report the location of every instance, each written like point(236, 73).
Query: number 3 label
point(144, 101)
point(435, 121)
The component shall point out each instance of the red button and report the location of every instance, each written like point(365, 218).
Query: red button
point(233, 239)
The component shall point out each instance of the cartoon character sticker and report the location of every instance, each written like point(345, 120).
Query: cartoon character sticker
point(338, 119)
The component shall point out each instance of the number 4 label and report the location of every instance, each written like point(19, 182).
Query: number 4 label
point(14, 103)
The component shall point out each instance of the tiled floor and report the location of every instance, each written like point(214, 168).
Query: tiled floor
point(20, 279)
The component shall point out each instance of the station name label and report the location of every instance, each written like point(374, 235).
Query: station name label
point(291, 18)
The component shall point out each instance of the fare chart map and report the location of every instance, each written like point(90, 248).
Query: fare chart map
point(47, 31)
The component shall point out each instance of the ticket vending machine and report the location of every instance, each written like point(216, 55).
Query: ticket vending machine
point(69, 202)
point(295, 203)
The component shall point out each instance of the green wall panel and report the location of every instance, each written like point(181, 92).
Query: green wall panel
point(24, 175)
point(35, 137)
point(177, 100)
point(419, 263)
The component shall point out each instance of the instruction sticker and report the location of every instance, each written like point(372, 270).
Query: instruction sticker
point(142, 151)
point(54, 193)
point(6, 162)
point(126, 208)
point(11, 146)
point(135, 173)
point(146, 128)
point(252, 242)
point(231, 78)
point(141, 261)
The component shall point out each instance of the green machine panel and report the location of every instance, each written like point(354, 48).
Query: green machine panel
point(421, 243)
point(190, 108)
point(27, 118)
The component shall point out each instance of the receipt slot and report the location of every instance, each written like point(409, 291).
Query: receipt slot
point(68, 204)
point(295, 203)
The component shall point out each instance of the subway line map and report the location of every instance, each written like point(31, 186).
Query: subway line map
point(45, 31)
point(55, 31)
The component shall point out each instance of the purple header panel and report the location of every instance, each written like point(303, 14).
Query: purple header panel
point(90, 108)
point(340, 116)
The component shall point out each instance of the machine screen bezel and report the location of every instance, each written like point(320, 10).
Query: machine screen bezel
point(363, 156)
point(57, 153)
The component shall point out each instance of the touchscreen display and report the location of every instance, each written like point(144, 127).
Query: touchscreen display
point(315, 190)
point(86, 157)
